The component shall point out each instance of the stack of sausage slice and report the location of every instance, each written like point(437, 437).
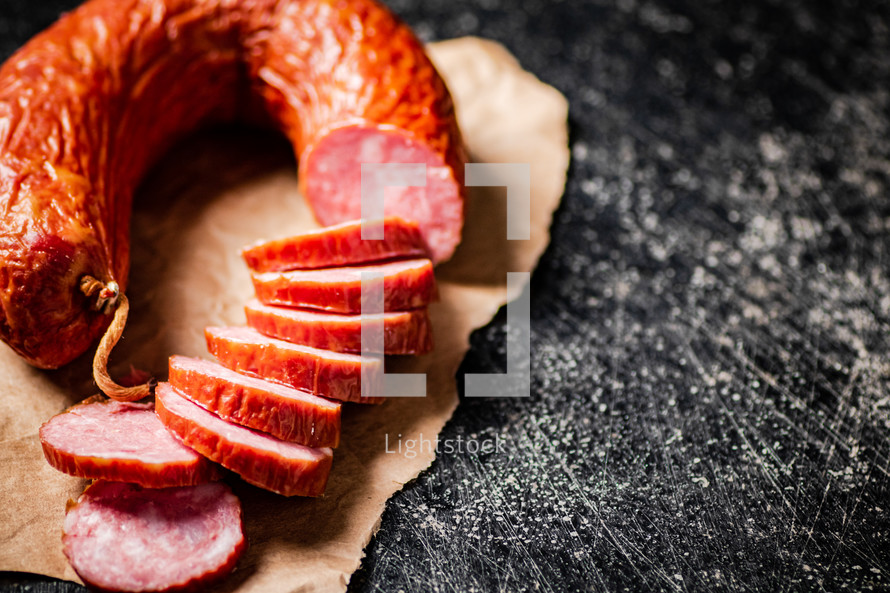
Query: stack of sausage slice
point(155, 519)
point(309, 288)
point(268, 408)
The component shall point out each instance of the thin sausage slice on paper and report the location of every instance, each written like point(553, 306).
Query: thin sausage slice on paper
point(407, 284)
point(260, 459)
point(404, 332)
point(122, 537)
point(124, 442)
point(284, 412)
point(338, 245)
point(336, 375)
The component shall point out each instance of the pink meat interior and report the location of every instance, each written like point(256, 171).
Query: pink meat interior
point(115, 430)
point(124, 537)
point(333, 174)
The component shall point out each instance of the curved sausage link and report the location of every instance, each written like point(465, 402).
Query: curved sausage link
point(87, 106)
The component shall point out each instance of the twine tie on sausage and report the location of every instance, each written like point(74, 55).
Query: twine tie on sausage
point(108, 297)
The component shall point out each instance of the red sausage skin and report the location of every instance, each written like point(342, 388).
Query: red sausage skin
point(87, 106)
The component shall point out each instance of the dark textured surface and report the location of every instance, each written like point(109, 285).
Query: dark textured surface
point(710, 405)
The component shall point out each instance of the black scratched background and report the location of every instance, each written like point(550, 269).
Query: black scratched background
point(710, 401)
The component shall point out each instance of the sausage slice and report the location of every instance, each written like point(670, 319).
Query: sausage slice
point(122, 537)
point(260, 459)
point(124, 442)
point(338, 245)
point(405, 332)
point(337, 375)
point(286, 413)
point(408, 284)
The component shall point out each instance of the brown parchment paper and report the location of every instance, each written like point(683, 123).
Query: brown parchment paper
point(225, 189)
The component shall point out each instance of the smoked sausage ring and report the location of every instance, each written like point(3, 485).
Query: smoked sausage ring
point(87, 106)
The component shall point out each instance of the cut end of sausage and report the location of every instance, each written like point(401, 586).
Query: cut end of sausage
point(124, 442)
point(330, 174)
point(122, 537)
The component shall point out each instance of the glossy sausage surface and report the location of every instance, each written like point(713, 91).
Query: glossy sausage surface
point(336, 375)
point(404, 332)
point(283, 412)
point(404, 284)
point(88, 105)
point(260, 459)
